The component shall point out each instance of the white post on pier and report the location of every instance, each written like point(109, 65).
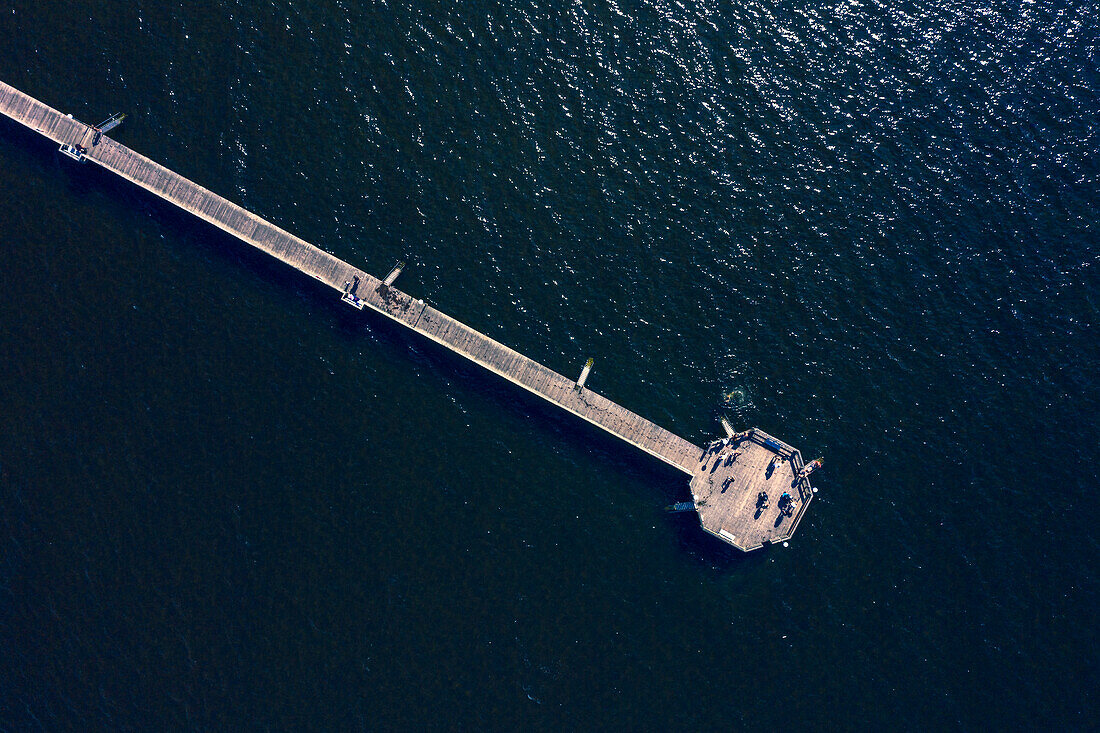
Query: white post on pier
point(584, 374)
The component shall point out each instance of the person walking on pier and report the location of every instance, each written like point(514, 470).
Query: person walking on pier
point(776, 462)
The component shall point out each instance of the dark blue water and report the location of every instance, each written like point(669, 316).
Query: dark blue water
point(228, 502)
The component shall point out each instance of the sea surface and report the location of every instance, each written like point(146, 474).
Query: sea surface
point(228, 502)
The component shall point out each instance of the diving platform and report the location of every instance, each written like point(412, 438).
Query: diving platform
point(722, 494)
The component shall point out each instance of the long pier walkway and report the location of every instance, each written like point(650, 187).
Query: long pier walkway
point(361, 289)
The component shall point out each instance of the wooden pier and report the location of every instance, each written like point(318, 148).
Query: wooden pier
point(725, 513)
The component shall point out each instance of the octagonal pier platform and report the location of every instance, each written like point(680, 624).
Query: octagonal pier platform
point(728, 481)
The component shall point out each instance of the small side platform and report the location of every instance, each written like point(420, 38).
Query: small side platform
point(76, 152)
point(729, 483)
point(352, 300)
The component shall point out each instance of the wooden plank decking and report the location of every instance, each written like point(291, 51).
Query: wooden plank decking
point(724, 494)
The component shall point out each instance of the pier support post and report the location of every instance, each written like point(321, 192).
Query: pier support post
point(584, 374)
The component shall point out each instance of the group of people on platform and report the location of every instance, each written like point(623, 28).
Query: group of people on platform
point(786, 503)
point(720, 447)
point(726, 454)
